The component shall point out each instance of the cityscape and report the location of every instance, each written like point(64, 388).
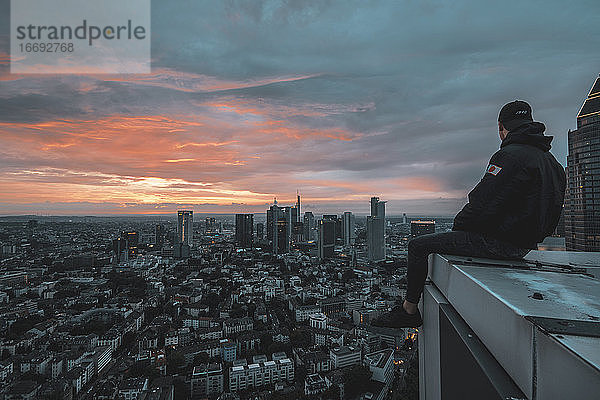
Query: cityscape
point(218, 308)
point(220, 206)
point(267, 306)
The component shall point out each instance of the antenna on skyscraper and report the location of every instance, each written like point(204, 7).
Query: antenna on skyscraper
point(298, 204)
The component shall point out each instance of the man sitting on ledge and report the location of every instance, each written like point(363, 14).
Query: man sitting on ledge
point(516, 205)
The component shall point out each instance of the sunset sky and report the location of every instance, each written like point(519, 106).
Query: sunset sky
point(248, 101)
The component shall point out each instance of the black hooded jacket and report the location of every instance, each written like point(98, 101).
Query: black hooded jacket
point(520, 197)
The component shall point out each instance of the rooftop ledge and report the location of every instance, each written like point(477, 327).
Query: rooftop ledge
point(511, 329)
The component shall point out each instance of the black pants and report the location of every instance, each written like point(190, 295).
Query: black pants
point(458, 243)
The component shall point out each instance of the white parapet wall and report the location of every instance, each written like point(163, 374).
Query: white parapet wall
point(511, 329)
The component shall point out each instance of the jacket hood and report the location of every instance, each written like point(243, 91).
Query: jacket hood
point(531, 133)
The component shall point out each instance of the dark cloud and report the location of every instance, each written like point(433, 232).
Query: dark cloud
point(379, 90)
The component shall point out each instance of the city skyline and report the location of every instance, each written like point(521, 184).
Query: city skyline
point(245, 109)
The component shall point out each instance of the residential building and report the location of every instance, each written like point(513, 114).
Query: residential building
point(261, 374)
point(206, 380)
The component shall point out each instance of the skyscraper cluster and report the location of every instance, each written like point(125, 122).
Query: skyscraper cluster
point(284, 227)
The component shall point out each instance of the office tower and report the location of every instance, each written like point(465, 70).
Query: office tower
point(244, 228)
point(376, 230)
point(279, 228)
point(272, 215)
point(285, 239)
point(119, 248)
point(298, 207)
point(326, 241)
point(129, 242)
point(404, 218)
point(348, 232)
point(185, 230)
point(295, 225)
point(308, 226)
point(297, 231)
point(260, 231)
point(418, 228)
point(374, 204)
point(337, 224)
point(582, 197)
point(209, 224)
point(281, 234)
point(159, 236)
point(181, 250)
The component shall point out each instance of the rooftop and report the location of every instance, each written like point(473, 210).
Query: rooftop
point(379, 359)
point(529, 321)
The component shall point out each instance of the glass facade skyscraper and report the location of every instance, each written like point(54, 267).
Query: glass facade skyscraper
point(376, 230)
point(185, 221)
point(348, 234)
point(244, 229)
point(326, 238)
point(582, 199)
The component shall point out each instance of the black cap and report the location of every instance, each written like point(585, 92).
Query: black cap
point(514, 114)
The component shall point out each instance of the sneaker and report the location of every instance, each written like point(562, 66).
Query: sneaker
point(399, 318)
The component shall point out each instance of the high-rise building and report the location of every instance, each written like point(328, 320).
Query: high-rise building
point(181, 250)
point(374, 205)
point(283, 231)
point(159, 236)
point(296, 225)
point(308, 226)
point(348, 230)
point(376, 230)
point(185, 230)
point(244, 228)
point(337, 222)
point(272, 215)
point(298, 207)
point(279, 228)
point(119, 247)
point(404, 218)
point(260, 231)
point(418, 228)
point(210, 224)
point(326, 241)
point(582, 197)
point(126, 247)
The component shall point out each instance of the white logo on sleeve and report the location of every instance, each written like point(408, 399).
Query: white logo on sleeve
point(493, 169)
